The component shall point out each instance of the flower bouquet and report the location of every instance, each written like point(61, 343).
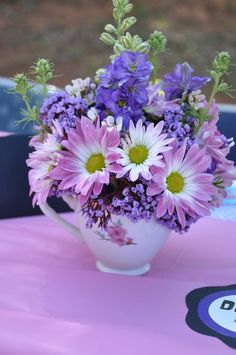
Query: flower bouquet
point(135, 155)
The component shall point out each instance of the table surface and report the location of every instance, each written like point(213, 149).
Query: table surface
point(53, 301)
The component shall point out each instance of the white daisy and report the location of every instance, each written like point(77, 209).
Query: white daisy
point(142, 149)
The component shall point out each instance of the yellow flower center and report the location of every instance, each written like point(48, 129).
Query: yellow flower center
point(121, 103)
point(175, 182)
point(131, 89)
point(138, 154)
point(133, 66)
point(95, 163)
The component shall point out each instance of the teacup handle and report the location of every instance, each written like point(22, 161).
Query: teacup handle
point(53, 215)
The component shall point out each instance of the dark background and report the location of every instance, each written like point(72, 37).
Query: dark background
point(67, 32)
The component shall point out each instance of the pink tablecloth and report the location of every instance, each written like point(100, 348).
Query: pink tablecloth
point(53, 301)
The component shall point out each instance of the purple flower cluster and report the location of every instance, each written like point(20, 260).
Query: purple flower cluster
point(122, 90)
point(55, 191)
point(64, 108)
point(179, 126)
point(134, 203)
point(131, 202)
point(181, 81)
point(134, 162)
point(97, 212)
point(172, 222)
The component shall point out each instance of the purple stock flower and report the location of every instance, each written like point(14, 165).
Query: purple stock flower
point(123, 88)
point(157, 102)
point(181, 81)
point(63, 108)
point(108, 79)
point(132, 64)
point(136, 92)
point(115, 102)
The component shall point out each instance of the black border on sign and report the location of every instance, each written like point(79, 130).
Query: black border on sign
point(194, 322)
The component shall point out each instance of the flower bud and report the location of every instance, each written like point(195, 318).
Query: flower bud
point(137, 40)
point(20, 79)
point(99, 74)
point(122, 3)
point(127, 23)
point(144, 47)
point(107, 38)
point(110, 29)
point(221, 63)
point(118, 49)
point(157, 41)
point(42, 66)
point(128, 8)
point(126, 42)
point(115, 3)
point(22, 84)
point(116, 14)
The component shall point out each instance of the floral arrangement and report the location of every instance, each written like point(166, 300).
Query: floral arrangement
point(127, 142)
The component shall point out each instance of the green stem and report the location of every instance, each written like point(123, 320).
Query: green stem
point(119, 34)
point(25, 99)
point(45, 89)
point(214, 91)
point(155, 67)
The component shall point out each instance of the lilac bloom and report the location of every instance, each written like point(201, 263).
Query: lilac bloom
point(178, 125)
point(63, 108)
point(181, 81)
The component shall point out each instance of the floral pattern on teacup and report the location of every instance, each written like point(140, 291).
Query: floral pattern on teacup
point(116, 233)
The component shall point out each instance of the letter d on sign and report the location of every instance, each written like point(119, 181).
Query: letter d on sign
point(227, 305)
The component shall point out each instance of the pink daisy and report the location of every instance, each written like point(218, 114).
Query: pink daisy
point(89, 159)
point(211, 139)
point(42, 161)
point(224, 175)
point(183, 183)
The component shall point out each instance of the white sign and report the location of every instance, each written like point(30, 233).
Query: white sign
point(223, 312)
